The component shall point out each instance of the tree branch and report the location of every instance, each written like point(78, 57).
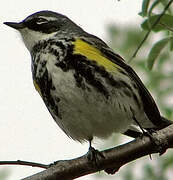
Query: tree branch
point(114, 158)
point(25, 163)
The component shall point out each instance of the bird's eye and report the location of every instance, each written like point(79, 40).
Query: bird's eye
point(41, 21)
point(40, 24)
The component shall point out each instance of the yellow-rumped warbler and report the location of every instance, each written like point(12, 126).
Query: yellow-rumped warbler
point(89, 90)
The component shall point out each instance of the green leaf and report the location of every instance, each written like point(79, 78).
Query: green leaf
point(156, 50)
point(166, 20)
point(155, 3)
point(145, 5)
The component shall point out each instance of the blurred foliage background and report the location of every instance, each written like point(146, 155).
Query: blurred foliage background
point(4, 174)
point(154, 65)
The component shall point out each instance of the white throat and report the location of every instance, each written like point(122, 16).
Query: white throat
point(30, 37)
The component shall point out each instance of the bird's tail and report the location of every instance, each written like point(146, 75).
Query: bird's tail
point(135, 132)
point(165, 122)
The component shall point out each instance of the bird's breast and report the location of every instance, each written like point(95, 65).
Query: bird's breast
point(86, 112)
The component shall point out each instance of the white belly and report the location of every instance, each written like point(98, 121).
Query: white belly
point(86, 114)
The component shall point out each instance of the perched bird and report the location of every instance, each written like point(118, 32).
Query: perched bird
point(88, 89)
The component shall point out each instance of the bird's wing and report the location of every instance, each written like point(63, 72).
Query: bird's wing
point(149, 104)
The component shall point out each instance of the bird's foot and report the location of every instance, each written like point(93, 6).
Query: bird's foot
point(161, 144)
point(94, 156)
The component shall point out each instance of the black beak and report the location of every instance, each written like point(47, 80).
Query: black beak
point(14, 25)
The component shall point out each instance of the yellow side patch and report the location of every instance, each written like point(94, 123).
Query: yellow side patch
point(37, 87)
point(92, 53)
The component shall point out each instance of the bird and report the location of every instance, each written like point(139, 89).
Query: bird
point(89, 90)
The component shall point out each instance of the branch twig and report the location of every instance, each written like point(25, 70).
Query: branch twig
point(166, 26)
point(25, 163)
point(147, 34)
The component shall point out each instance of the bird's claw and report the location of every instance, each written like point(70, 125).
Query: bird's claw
point(94, 155)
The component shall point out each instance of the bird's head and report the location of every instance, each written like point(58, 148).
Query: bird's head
point(42, 25)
